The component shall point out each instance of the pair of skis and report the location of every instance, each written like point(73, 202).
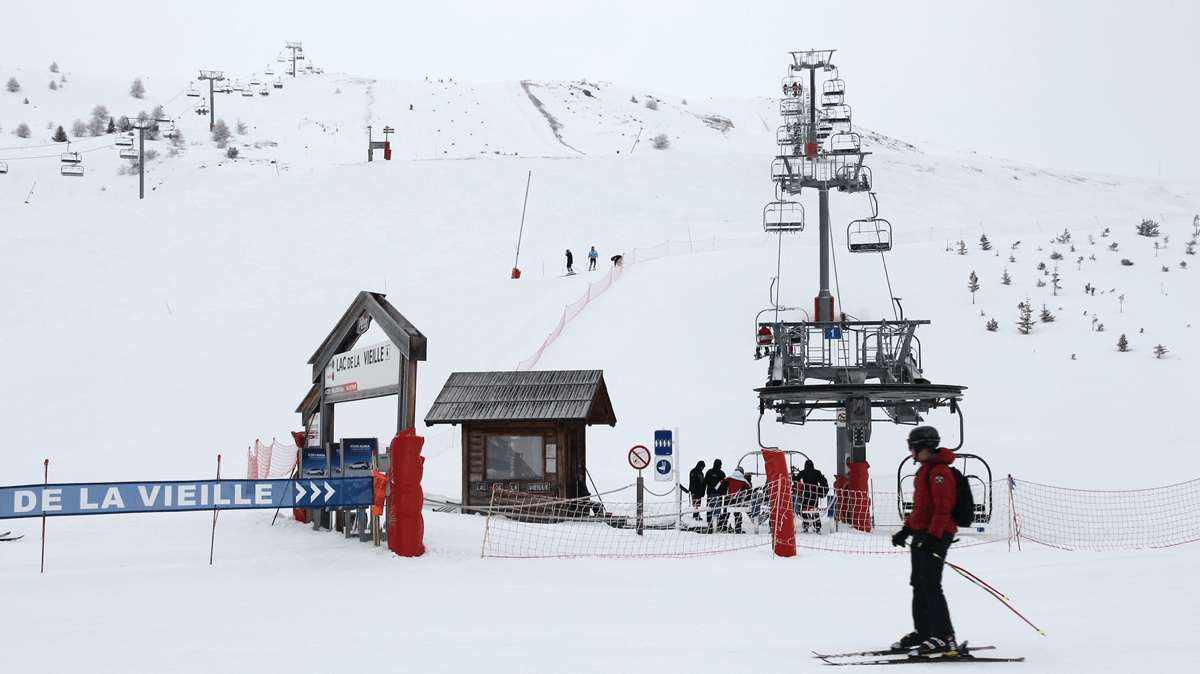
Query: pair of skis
point(7, 537)
point(905, 657)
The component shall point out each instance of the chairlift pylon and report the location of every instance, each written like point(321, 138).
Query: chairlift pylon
point(783, 216)
point(870, 235)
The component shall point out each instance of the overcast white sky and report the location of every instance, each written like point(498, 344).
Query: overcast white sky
point(1102, 85)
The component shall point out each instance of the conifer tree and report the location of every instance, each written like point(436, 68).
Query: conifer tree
point(1160, 351)
point(1122, 344)
point(137, 89)
point(1005, 279)
point(992, 325)
point(973, 285)
point(1025, 323)
point(1046, 316)
point(60, 136)
point(984, 243)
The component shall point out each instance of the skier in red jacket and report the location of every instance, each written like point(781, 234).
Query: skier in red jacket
point(932, 529)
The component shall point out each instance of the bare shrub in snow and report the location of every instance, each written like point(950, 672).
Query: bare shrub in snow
point(221, 133)
point(99, 122)
point(241, 128)
point(22, 130)
point(54, 67)
point(137, 89)
point(13, 85)
point(78, 128)
point(232, 152)
point(53, 85)
point(651, 103)
point(661, 142)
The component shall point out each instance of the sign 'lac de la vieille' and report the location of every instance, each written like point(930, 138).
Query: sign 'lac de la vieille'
point(362, 370)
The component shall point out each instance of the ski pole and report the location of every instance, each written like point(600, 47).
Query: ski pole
point(988, 588)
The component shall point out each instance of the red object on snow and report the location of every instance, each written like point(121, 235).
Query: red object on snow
point(516, 273)
point(406, 531)
point(860, 495)
point(379, 482)
point(779, 486)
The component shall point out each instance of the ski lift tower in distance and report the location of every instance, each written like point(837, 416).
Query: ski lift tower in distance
point(297, 55)
point(829, 368)
point(212, 76)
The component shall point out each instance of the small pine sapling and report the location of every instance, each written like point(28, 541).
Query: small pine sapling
point(54, 67)
point(1025, 322)
point(1054, 286)
point(1166, 268)
point(973, 285)
point(1079, 261)
point(1005, 279)
point(1055, 255)
point(1012, 258)
point(1091, 240)
point(1113, 246)
point(1040, 283)
point(1121, 301)
point(984, 243)
point(1046, 316)
point(962, 247)
point(992, 325)
point(1122, 344)
point(1014, 246)
point(1065, 237)
point(53, 85)
point(1182, 264)
point(1160, 351)
point(1126, 261)
point(1041, 266)
point(1148, 228)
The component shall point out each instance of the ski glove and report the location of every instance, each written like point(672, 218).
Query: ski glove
point(900, 538)
point(937, 546)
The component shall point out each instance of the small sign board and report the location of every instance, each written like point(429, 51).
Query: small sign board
point(664, 455)
point(358, 454)
point(833, 333)
point(313, 462)
point(370, 371)
point(639, 457)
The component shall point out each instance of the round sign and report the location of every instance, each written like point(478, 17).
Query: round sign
point(639, 457)
point(663, 467)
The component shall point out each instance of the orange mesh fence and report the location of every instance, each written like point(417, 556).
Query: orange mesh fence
point(271, 462)
point(1080, 519)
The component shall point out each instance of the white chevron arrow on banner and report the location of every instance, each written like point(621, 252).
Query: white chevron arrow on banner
point(328, 492)
point(299, 492)
point(316, 491)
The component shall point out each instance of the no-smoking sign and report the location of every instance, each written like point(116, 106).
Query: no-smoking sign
point(639, 457)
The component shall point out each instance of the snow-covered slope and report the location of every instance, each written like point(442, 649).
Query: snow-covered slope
point(145, 337)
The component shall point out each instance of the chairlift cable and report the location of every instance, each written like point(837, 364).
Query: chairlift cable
point(48, 156)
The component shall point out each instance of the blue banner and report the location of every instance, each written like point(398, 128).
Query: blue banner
point(143, 497)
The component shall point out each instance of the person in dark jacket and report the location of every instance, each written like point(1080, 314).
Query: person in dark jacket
point(696, 487)
point(570, 261)
point(712, 480)
point(932, 529)
point(812, 487)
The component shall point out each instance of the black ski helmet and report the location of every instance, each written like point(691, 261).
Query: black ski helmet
point(924, 437)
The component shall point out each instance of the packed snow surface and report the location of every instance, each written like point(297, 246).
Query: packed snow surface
point(145, 337)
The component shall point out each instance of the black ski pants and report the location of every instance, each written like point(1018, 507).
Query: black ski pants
point(931, 615)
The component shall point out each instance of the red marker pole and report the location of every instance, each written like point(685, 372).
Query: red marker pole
point(47, 483)
point(216, 511)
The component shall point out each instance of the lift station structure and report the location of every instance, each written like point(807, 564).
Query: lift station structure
point(829, 368)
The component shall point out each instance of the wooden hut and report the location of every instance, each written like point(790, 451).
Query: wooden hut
point(524, 431)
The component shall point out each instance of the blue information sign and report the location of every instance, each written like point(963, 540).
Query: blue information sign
point(663, 466)
point(358, 453)
point(662, 443)
point(314, 462)
point(833, 333)
point(140, 497)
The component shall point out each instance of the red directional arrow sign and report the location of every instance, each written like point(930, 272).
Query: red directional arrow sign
point(639, 457)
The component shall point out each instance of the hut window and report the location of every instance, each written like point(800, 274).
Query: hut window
point(514, 457)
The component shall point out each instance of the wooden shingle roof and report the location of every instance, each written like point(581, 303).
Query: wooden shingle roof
point(550, 395)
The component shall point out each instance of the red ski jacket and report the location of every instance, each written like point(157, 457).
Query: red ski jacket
point(935, 493)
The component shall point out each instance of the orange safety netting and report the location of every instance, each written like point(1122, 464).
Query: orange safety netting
point(271, 462)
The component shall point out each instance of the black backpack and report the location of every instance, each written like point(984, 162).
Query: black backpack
point(963, 513)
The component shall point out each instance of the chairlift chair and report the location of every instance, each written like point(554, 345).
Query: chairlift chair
point(870, 235)
point(264, 92)
point(280, 59)
point(981, 485)
point(836, 113)
point(783, 216)
point(845, 143)
point(71, 158)
point(129, 153)
point(72, 170)
point(793, 85)
point(247, 92)
point(194, 93)
point(3, 167)
point(833, 87)
point(268, 72)
point(124, 141)
point(254, 82)
point(278, 85)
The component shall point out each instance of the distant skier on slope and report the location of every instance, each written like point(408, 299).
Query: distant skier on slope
point(592, 257)
point(932, 528)
point(570, 262)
